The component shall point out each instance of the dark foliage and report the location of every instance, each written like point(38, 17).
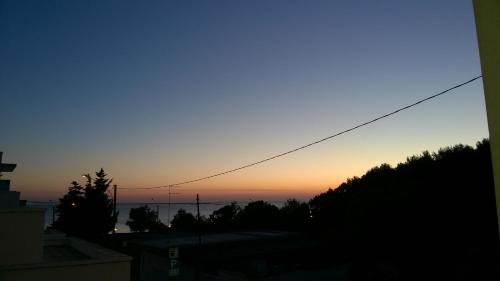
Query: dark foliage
point(184, 221)
point(70, 215)
point(439, 207)
point(87, 211)
point(294, 215)
point(142, 219)
point(225, 217)
point(258, 214)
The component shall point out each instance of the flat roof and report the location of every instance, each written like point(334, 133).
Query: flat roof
point(55, 253)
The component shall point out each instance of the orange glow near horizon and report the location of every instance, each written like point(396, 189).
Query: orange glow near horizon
point(300, 176)
point(208, 193)
point(194, 97)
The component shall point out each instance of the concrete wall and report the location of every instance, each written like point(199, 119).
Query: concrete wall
point(21, 236)
point(487, 14)
point(22, 243)
point(119, 271)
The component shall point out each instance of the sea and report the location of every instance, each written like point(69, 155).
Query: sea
point(166, 211)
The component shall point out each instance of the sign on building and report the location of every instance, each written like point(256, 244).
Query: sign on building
point(173, 255)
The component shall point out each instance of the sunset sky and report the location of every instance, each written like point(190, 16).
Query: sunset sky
point(157, 92)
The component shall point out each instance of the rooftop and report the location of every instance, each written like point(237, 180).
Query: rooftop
point(55, 253)
point(60, 251)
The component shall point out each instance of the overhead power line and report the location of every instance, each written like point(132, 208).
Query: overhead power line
point(315, 142)
point(150, 187)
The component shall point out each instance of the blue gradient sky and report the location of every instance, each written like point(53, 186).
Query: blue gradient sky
point(164, 91)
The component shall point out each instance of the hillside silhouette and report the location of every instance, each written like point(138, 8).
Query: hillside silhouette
point(433, 212)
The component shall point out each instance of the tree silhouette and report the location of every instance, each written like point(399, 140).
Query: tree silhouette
point(184, 221)
point(142, 219)
point(87, 211)
point(69, 213)
point(295, 215)
point(224, 218)
point(259, 214)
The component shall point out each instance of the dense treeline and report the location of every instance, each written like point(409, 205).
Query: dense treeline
point(436, 209)
point(294, 215)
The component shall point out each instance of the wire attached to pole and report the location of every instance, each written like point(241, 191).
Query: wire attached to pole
point(315, 142)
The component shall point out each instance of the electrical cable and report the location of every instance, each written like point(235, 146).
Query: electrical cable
point(314, 142)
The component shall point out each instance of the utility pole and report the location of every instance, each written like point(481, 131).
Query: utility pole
point(53, 212)
point(114, 207)
point(198, 219)
point(487, 13)
point(197, 273)
point(157, 213)
point(168, 212)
